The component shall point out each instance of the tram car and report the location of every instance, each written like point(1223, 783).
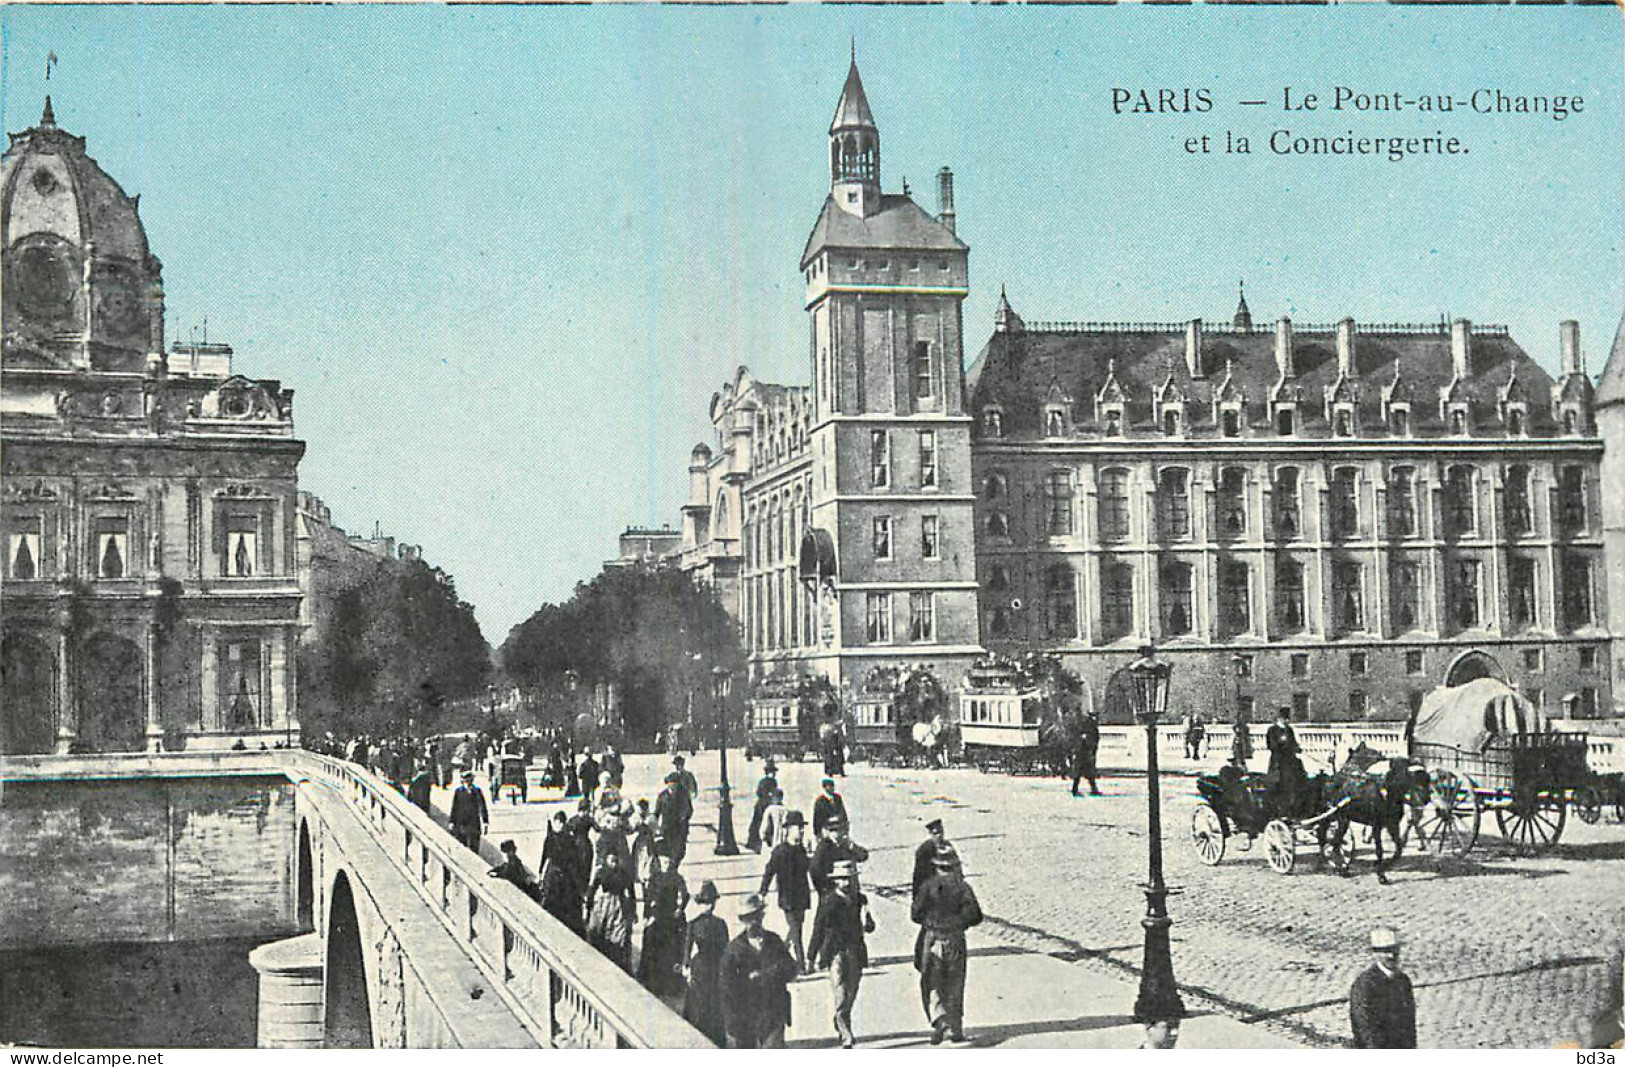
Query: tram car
point(874, 730)
point(1001, 723)
point(779, 729)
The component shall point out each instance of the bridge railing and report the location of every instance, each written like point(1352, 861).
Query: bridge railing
point(566, 993)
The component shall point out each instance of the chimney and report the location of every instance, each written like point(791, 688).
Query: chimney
point(1283, 347)
point(1193, 348)
point(945, 198)
point(1461, 348)
point(1345, 348)
point(1569, 330)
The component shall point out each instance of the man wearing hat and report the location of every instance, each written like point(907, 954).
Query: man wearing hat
point(765, 790)
point(674, 808)
point(690, 783)
point(838, 943)
point(702, 963)
point(756, 974)
point(513, 869)
point(925, 856)
point(836, 845)
point(1085, 753)
point(789, 866)
point(945, 908)
point(469, 815)
point(829, 805)
point(1382, 1008)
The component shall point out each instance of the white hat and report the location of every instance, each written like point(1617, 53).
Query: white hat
point(1384, 938)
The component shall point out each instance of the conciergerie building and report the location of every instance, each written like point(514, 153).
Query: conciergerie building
point(1327, 518)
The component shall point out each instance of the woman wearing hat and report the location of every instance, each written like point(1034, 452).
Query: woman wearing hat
point(611, 912)
point(756, 975)
point(702, 962)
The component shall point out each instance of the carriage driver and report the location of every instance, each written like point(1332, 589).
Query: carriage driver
point(1288, 783)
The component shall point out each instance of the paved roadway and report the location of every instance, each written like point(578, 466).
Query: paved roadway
point(1505, 951)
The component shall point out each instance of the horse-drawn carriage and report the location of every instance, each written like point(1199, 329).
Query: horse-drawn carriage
point(1236, 802)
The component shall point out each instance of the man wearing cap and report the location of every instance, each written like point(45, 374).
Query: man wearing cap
point(765, 789)
point(926, 855)
point(674, 808)
point(789, 866)
point(829, 805)
point(756, 974)
point(835, 845)
point(702, 964)
point(1382, 1008)
point(690, 783)
point(838, 943)
point(469, 815)
point(945, 908)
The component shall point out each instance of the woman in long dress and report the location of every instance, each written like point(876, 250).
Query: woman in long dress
point(702, 963)
point(610, 911)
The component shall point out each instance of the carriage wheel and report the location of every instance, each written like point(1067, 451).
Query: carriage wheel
point(1533, 824)
point(1588, 804)
point(1207, 834)
point(1280, 847)
point(1447, 824)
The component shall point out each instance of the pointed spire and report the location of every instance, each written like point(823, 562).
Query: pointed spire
point(1243, 321)
point(48, 120)
point(1005, 319)
point(852, 112)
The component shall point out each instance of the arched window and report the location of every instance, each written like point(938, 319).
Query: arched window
point(1170, 421)
point(1058, 497)
point(1060, 601)
point(720, 518)
point(1174, 596)
point(1288, 511)
point(1174, 504)
point(1117, 600)
point(1461, 501)
point(1112, 504)
point(995, 486)
point(1232, 502)
point(1054, 423)
point(998, 578)
point(993, 422)
point(1407, 595)
point(998, 524)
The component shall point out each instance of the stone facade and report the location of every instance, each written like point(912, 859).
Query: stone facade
point(151, 585)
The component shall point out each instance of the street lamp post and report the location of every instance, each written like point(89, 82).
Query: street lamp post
point(1158, 1000)
point(721, 682)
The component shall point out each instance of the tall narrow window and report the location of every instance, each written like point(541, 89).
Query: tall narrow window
point(993, 422)
point(922, 369)
point(1288, 513)
point(928, 459)
point(240, 685)
point(1521, 594)
point(878, 630)
point(1113, 505)
point(1174, 504)
point(242, 541)
point(112, 547)
point(1577, 606)
point(1117, 609)
point(883, 537)
point(998, 578)
point(1232, 503)
point(1465, 604)
point(1461, 501)
point(1402, 502)
point(1060, 601)
point(24, 553)
point(1345, 502)
point(922, 616)
point(1230, 423)
point(1174, 593)
point(1399, 422)
point(1571, 499)
point(1054, 423)
point(1348, 596)
point(1285, 422)
point(1058, 497)
point(1289, 594)
point(930, 546)
point(1520, 517)
point(879, 458)
point(1170, 421)
point(1235, 598)
point(1407, 595)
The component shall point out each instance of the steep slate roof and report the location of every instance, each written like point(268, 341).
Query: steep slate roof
point(1015, 370)
point(1611, 388)
point(853, 107)
point(900, 223)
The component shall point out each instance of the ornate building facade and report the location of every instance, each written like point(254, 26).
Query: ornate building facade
point(1332, 519)
point(151, 594)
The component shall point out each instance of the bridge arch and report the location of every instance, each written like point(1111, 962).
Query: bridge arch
point(349, 1011)
point(1472, 665)
point(305, 882)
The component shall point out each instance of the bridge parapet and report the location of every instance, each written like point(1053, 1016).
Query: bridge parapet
point(565, 993)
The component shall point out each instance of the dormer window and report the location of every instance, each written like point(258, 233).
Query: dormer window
point(1286, 421)
point(1399, 420)
point(1343, 421)
point(1054, 422)
point(993, 422)
point(1457, 419)
point(1515, 417)
point(1170, 422)
point(1112, 420)
point(1230, 422)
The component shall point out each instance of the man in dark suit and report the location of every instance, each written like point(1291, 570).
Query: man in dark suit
point(674, 808)
point(765, 791)
point(789, 865)
point(1286, 775)
point(755, 977)
point(925, 857)
point(830, 805)
point(1083, 757)
point(1382, 1008)
point(469, 815)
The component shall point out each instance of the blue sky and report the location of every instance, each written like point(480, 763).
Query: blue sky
point(505, 256)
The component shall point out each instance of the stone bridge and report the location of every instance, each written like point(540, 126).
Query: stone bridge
point(403, 940)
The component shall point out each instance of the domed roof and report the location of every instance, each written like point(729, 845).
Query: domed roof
point(49, 185)
point(81, 287)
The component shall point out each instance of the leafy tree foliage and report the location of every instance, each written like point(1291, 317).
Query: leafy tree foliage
point(650, 632)
point(395, 645)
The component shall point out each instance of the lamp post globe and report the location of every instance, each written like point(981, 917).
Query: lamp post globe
point(1158, 999)
point(721, 684)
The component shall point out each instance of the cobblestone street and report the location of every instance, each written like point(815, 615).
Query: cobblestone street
point(1505, 951)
